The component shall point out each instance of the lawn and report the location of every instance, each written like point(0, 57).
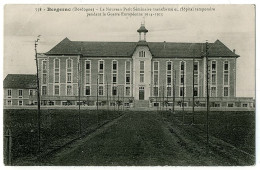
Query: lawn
point(147, 139)
point(236, 128)
point(56, 125)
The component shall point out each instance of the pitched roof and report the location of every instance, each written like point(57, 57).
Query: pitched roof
point(126, 49)
point(20, 81)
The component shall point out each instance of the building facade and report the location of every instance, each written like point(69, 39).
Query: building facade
point(138, 74)
point(19, 90)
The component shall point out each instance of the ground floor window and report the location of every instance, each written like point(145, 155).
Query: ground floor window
point(20, 102)
point(9, 102)
point(87, 90)
point(127, 91)
point(244, 105)
point(156, 104)
point(100, 90)
point(230, 104)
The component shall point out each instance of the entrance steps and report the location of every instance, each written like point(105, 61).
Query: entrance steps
point(141, 103)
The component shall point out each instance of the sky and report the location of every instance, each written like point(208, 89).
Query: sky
point(234, 25)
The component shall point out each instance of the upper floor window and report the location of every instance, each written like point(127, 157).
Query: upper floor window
point(30, 92)
point(226, 66)
point(69, 90)
point(213, 65)
point(87, 65)
point(141, 65)
point(169, 66)
point(141, 53)
point(20, 92)
point(182, 66)
point(57, 90)
point(57, 63)
point(69, 63)
point(101, 65)
point(9, 92)
point(114, 65)
point(44, 65)
point(44, 90)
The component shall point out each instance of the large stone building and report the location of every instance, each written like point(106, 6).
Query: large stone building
point(138, 74)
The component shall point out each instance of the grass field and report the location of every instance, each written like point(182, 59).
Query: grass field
point(56, 125)
point(236, 128)
point(139, 138)
point(148, 139)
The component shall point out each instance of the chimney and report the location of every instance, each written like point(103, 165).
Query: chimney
point(164, 44)
point(234, 51)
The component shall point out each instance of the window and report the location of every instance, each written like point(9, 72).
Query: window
point(87, 65)
point(114, 91)
point(56, 77)
point(114, 65)
point(156, 79)
point(87, 78)
point(20, 92)
point(114, 78)
point(88, 72)
point(69, 61)
point(44, 90)
point(196, 79)
point(44, 65)
point(68, 77)
point(169, 66)
point(9, 93)
point(141, 65)
point(213, 92)
point(195, 91)
point(141, 78)
point(57, 63)
point(127, 91)
point(226, 79)
point(69, 90)
point(182, 79)
point(101, 78)
point(87, 90)
point(195, 66)
point(213, 80)
point(127, 72)
point(155, 91)
point(156, 66)
point(245, 105)
point(44, 78)
point(225, 91)
point(57, 90)
point(127, 78)
point(101, 65)
point(101, 90)
point(230, 105)
point(141, 53)
point(20, 102)
point(182, 66)
point(226, 66)
point(181, 91)
point(156, 73)
point(30, 92)
point(169, 79)
point(213, 66)
point(9, 102)
point(169, 91)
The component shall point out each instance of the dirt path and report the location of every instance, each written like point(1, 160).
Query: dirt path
point(144, 138)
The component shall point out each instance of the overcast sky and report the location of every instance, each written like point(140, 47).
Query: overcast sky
point(234, 25)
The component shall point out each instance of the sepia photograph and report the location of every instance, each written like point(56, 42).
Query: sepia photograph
point(129, 85)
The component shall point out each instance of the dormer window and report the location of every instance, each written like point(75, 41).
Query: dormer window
point(141, 53)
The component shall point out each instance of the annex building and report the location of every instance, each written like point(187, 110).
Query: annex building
point(134, 74)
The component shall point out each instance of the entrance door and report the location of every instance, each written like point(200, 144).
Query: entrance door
point(141, 93)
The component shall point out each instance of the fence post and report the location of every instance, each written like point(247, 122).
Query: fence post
point(8, 147)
